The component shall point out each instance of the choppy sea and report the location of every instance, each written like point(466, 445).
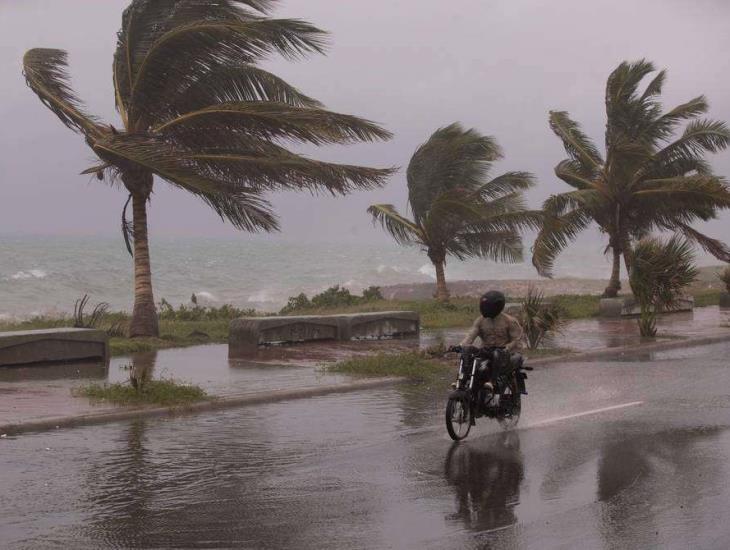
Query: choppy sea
point(45, 275)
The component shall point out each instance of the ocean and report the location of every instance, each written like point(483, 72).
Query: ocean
point(46, 275)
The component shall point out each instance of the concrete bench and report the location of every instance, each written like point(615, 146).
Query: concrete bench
point(248, 333)
point(52, 345)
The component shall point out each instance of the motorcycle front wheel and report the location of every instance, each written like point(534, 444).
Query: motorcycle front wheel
point(458, 418)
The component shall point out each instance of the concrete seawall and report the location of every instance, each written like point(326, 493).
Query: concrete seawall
point(247, 334)
point(52, 345)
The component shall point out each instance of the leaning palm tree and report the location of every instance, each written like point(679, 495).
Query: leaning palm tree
point(456, 210)
point(648, 180)
point(197, 112)
point(659, 273)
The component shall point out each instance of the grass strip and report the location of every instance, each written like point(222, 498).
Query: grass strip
point(166, 392)
point(413, 365)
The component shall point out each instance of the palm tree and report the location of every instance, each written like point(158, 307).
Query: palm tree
point(456, 210)
point(659, 272)
point(648, 180)
point(197, 112)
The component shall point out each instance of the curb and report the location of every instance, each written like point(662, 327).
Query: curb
point(629, 350)
point(214, 404)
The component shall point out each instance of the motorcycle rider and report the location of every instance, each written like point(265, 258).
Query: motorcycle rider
point(496, 330)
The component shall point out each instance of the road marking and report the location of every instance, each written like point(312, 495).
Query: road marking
point(585, 413)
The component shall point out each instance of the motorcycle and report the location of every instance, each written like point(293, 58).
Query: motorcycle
point(470, 399)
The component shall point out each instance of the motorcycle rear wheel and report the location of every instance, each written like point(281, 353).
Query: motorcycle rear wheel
point(513, 393)
point(458, 418)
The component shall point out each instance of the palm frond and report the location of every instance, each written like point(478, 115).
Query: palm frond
point(225, 84)
point(665, 125)
point(509, 182)
point(189, 49)
point(576, 143)
point(145, 21)
point(571, 172)
point(716, 247)
point(235, 201)
point(402, 229)
point(555, 234)
point(46, 74)
point(271, 121)
point(706, 188)
point(285, 170)
point(699, 137)
point(498, 246)
point(452, 158)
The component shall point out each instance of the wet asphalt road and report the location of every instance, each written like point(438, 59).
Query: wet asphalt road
point(630, 454)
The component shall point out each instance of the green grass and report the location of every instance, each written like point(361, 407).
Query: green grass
point(705, 298)
point(415, 366)
point(155, 392)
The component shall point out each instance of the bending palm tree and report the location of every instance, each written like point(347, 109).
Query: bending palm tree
point(648, 180)
point(456, 210)
point(198, 113)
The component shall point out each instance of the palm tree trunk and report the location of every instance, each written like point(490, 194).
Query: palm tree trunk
point(144, 315)
point(442, 291)
point(614, 284)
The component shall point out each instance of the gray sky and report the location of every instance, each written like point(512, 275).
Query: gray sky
point(412, 65)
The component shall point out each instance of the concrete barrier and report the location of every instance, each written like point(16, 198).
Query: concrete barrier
point(627, 306)
point(725, 300)
point(52, 345)
point(381, 324)
point(247, 334)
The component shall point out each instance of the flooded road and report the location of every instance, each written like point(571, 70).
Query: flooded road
point(607, 455)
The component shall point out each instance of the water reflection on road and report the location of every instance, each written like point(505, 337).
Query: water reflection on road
point(375, 470)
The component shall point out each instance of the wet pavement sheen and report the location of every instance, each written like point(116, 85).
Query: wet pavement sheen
point(375, 469)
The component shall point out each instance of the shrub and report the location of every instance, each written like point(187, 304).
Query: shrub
point(226, 312)
point(724, 276)
point(539, 317)
point(659, 272)
point(332, 298)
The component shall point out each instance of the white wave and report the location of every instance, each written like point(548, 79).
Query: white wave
point(30, 274)
point(389, 269)
point(427, 269)
point(205, 295)
point(260, 297)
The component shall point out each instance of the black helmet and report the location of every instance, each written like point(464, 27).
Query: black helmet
point(492, 303)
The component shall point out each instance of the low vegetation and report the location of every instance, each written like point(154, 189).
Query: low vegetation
point(193, 324)
point(724, 277)
point(413, 365)
point(660, 272)
point(165, 392)
point(540, 318)
point(333, 297)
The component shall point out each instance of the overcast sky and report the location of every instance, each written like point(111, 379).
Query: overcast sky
point(412, 65)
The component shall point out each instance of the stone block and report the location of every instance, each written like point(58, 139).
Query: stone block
point(248, 333)
point(381, 324)
point(52, 345)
